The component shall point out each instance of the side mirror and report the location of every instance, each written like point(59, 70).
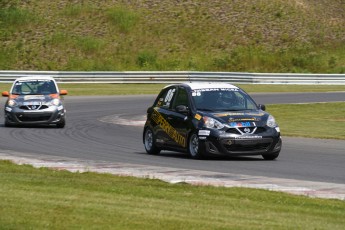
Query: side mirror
point(182, 109)
point(63, 92)
point(149, 110)
point(5, 94)
point(262, 107)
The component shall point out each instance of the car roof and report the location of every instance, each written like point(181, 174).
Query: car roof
point(210, 85)
point(34, 78)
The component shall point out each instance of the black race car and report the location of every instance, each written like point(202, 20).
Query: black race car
point(34, 101)
point(210, 119)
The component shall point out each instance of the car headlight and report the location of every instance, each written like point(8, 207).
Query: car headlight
point(212, 123)
point(271, 122)
point(12, 103)
point(55, 102)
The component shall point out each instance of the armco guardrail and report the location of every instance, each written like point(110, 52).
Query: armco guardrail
point(177, 76)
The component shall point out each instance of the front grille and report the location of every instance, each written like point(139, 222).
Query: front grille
point(33, 107)
point(247, 148)
point(233, 131)
point(241, 130)
point(247, 145)
point(260, 130)
point(28, 118)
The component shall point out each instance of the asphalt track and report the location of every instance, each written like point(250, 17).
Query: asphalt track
point(106, 131)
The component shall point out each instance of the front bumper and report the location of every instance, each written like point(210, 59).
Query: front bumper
point(17, 116)
point(235, 145)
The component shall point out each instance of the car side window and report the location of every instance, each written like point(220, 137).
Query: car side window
point(244, 102)
point(165, 98)
point(181, 98)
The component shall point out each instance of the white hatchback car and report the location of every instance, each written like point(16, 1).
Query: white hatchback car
point(35, 101)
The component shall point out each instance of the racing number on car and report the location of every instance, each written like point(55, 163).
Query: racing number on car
point(169, 96)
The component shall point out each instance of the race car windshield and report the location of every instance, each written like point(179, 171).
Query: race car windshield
point(222, 100)
point(34, 87)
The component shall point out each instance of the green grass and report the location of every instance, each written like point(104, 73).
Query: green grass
point(135, 89)
point(45, 199)
point(269, 36)
point(318, 120)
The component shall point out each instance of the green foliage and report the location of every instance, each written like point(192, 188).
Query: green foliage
point(75, 10)
point(8, 4)
point(89, 45)
point(122, 18)
point(270, 36)
point(12, 17)
point(146, 59)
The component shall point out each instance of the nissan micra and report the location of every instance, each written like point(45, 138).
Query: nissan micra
point(35, 101)
point(210, 119)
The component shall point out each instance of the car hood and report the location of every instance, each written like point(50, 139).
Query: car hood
point(257, 116)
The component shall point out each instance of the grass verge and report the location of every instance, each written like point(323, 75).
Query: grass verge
point(317, 120)
point(135, 89)
point(41, 198)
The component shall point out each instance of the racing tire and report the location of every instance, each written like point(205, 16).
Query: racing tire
point(194, 149)
point(7, 124)
point(149, 142)
point(271, 156)
point(61, 124)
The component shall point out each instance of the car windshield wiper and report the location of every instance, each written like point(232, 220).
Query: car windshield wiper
point(205, 109)
point(231, 110)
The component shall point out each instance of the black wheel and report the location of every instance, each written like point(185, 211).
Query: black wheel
point(194, 147)
point(149, 142)
point(7, 124)
point(271, 156)
point(61, 124)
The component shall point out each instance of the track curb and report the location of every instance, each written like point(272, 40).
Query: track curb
point(176, 175)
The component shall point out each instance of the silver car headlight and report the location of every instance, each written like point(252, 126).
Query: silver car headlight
point(55, 102)
point(12, 103)
point(212, 123)
point(271, 122)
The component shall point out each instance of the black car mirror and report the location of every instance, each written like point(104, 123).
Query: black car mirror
point(182, 109)
point(262, 107)
point(150, 110)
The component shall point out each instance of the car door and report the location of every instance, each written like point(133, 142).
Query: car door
point(162, 127)
point(179, 120)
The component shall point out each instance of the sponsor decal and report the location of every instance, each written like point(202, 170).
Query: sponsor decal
point(241, 124)
point(34, 97)
point(8, 109)
point(204, 132)
point(278, 129)
point(244, 119)
point(248, 137)
point(239, 114)
point(197, 92)
point(32, 103)
point(198, 117)
point(168, 129)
